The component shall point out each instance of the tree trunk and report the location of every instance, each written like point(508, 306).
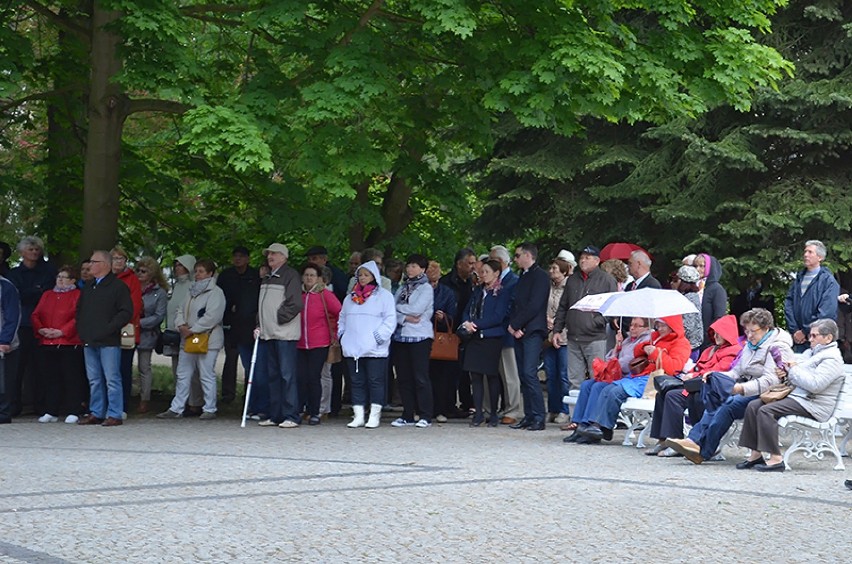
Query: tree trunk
point(396, 213)
point(107, 112)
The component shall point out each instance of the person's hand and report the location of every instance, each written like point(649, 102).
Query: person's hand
point(5, 348)
point(737, 389)
point(550, 323)
point(619, 338)
point(649, 349)
point(781, 373)
point(44, 332)
point(518, 334)
point(556, 340)
point(799, 337)
point(184, 331)
point(439, 315)
point(256, 333)
point(842, 298)
point(412, 318)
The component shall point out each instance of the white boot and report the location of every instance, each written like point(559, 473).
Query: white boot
point(375, 416)
point(358, 420)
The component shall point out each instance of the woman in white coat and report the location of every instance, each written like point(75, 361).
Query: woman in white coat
point(201, 313)
point(365, 327)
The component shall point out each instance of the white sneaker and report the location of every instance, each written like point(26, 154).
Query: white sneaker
point(422, 424)
point(124, 416)
point(48, 418)
point(441, 419)
point(287, 424)
point(72, 419)
point(402, 423)
point(267, 423)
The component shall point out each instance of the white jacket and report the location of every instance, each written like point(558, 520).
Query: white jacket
point(420, 304)
point(365, 329)
point(818, 378)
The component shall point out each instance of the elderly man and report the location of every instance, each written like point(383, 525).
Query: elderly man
point(639, 267)
point(513, 407)
point(460, 280)
point(279, 317)
point(10, 320)
point(812, 296)
point(528, 325)
point(33, 277)
point(104, 308)
point(585, 330)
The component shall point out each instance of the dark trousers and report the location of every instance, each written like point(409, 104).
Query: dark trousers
point(65, 383)
point(259, 399)
point(126, 368)
point(412, 373)
point(760, 423)
point(283, 383)
point(443, 386)
point(708, 432)
point(23, 389)
point(668, 413)
point(606, 412)
point(368, 379)
point(309, 369)
point(8, 381)
point(233, 352)
point(340, 381)
point(477, 384)
point(527, 355)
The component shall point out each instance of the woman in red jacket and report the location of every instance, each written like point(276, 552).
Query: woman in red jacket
point(60, 350)
point(320, 310)
point(669, 406)
point(668, 350)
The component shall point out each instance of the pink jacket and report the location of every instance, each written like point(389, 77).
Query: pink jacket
point(315, 328)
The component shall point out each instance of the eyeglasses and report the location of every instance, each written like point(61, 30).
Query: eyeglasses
point(814, 335)
point(119, 259)
point(517, 255)
point(142, 270)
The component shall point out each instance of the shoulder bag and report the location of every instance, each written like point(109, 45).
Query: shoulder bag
point(197, 343)
point(128, 336)
point(446, 344)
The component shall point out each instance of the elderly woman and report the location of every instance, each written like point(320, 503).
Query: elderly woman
point(320, 311)
point(442, 372)
point(124, 273)
point(816, 380)
point(413, 343)
point(556, 360)
point(590, 390)
point(201, 314)
point(154, 304)
point(727, 394)
point(670, 404)
point(60, 351)
point(667, 349)
point(687, 285)
point(485, 321)
point(366, 325)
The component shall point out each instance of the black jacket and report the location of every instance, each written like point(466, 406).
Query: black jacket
point(241, 298)
point(529, 308)
point(31, 284)
point(102, 311)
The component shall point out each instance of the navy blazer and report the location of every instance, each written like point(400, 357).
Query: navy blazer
point(529, 308)
point(494, 317)
point(509, 282)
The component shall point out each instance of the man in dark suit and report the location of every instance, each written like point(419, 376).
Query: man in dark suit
point(528, 325)
point(639, 267)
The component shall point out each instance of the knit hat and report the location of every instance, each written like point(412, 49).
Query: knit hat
point(688, 274)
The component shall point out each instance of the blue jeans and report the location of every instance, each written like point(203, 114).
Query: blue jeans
point(527, 352)
point(605, 413)
point(283, 382)
point(106, 396)
point(556, 368)
point(259, 399)
point(708, 432)
point(587, 401)
point(369, 379)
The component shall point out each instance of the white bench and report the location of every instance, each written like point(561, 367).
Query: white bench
point(815, 439)
point(635, 413)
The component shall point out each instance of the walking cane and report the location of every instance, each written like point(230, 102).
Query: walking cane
point(250, 380)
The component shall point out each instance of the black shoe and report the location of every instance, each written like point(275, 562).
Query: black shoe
point(607, 433)
point(537, 426)
point(592, 432)
point(522, 424)
point(572, 438)
point(848, 484)
point(477, 421)
point(746, 464)
point(494, 421)
point(770, 467)
point(584, 440)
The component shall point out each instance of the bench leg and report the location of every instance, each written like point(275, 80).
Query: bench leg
point(812, 444)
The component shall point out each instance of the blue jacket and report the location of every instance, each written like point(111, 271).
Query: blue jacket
point(509, 282)
point(10, 313)
point(819, 301)
point(492, 316)
point(529, 308)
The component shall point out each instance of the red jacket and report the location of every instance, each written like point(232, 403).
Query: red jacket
point(671, 352)
point(315, 328)
point(720, 358)
point(129, 277)
point(57, 310)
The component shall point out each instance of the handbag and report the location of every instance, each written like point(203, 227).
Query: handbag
point(650, 391)
point(446, 344)
point(335, 351)
point(606, 371)
point(665, 383)
point(196, 343)
point(128, 336)
point(638, 365)
point(776, 392)
point(170, 338)
point(693, 385)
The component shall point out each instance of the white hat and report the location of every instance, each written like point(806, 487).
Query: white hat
point(567, 256)
point(276, 248)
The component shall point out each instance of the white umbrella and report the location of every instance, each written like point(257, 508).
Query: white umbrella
point(593, 302)
point(647, 302)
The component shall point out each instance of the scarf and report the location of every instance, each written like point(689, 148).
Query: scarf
point(760, 342)
point(199, 287)
point(410, 286)
point(149, 288)
point(361, 293)
point(64, 290)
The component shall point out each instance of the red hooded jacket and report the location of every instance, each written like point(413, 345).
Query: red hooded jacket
point(671, 351)
point(720, 358)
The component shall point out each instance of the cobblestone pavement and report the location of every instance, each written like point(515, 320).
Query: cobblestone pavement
point(167, 491)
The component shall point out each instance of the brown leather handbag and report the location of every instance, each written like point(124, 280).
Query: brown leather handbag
point(446, 344)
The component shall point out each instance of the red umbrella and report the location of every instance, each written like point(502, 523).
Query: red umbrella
point(620, 251)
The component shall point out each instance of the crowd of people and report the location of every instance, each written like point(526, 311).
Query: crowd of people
point(318, 338)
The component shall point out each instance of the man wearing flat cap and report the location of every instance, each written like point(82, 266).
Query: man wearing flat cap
point(585, 330)
point(279, 317)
